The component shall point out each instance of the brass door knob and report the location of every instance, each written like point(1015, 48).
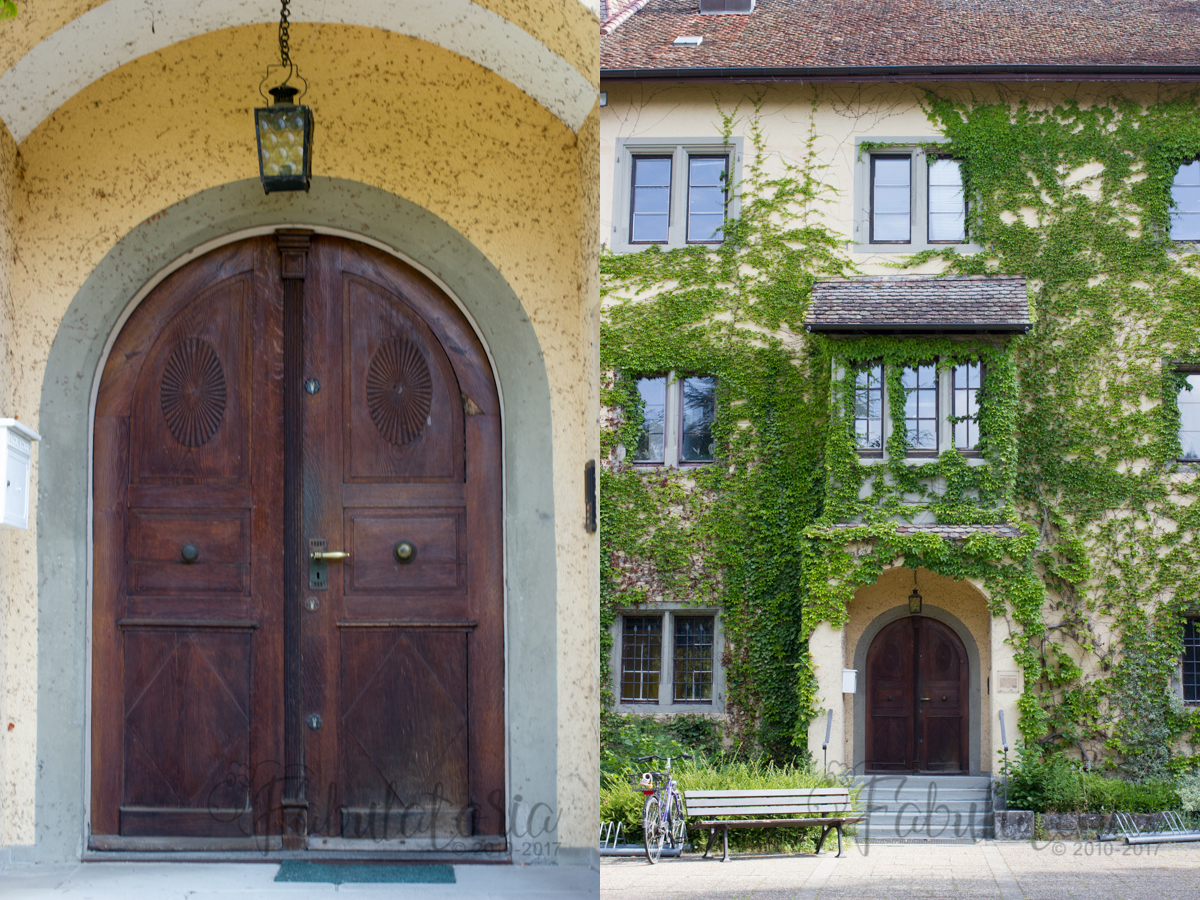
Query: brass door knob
point(405, 551)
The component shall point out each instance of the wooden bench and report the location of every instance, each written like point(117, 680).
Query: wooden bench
point(828, 808)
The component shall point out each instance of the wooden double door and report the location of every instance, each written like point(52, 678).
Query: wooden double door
point(297, 603)
point(917, 678)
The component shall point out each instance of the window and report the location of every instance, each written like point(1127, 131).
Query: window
point(921, 407)
point(947, 202)
point(909, 199)
point(1191, 660)
point(868, 408)
point(699, 410)
point(651, 203)
point(677, 420)
point(891, 199)
point(1189, 417)
point(652, 440)
point(707, 186)
point(1185, 195)
point(641, 659)
point(968, 380)
point(673, 192)
point(693, 661)
point(667, 660)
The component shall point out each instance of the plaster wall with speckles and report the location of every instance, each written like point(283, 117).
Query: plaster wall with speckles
point(394, 113)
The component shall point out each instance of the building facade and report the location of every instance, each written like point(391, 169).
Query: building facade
point(394, 368)
point(915, 300)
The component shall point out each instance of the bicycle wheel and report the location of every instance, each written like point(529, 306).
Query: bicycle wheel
point(653, 830)
point(677, 822)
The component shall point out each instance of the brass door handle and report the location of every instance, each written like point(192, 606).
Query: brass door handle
point(329, 554)
point(924, 699)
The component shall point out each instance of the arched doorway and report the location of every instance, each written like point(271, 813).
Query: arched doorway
point(917, 699)
point(277, 398)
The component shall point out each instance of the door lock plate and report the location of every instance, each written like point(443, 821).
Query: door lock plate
point(318, 569)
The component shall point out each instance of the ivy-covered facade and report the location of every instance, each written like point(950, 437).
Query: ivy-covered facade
point(1060, 550)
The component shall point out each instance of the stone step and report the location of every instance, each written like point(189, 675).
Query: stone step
point(926, 808)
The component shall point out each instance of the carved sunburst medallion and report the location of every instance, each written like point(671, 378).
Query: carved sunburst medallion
point(193, 392)
point(399, 391)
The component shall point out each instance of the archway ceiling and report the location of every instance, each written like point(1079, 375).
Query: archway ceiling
point(118, 31)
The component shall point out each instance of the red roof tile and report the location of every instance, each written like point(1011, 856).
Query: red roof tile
point(840, 35)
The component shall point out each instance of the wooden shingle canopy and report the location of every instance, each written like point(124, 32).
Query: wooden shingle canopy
point(972, 304)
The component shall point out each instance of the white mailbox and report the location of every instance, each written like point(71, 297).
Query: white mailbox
point(16, 451)
point(849, 681)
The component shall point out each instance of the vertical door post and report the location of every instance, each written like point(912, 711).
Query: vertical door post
point(293, 259)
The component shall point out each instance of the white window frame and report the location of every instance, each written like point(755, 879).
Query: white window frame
point(666, 685)
point(679, 149)
point(1184, 242)
point(672, 427)
point(917, 149)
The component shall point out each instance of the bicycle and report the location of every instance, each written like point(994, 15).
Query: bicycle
point(663, 819)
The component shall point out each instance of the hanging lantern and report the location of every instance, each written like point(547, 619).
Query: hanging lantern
point(914, 599)
point(284, 128)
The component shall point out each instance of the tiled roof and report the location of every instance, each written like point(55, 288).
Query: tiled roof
point(864, 34)
point(916, 303)
point(951, 532)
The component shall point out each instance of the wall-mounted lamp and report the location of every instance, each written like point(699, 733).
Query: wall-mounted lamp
point(914, 599)
point(284, 128)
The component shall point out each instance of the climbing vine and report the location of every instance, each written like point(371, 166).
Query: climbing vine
point(1080, 419)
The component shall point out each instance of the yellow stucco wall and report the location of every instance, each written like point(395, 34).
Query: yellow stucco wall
point(392, 112)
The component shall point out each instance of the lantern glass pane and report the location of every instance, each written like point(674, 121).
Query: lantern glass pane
point(281, 141)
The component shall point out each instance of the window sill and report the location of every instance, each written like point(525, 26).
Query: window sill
point(915, 247)
point(869, 454)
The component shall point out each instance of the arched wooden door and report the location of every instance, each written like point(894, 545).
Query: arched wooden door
point(917, 677)
point(280, 397)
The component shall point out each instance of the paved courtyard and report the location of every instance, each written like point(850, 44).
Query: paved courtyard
point(1009, 870)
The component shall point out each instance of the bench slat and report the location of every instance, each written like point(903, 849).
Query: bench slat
point(698, 809)
point(773, 792)
point(766, 802)
point(778, 823)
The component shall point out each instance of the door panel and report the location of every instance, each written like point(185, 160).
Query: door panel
point(401, 645)
point(917, 676)
point(396, 669)
point(942, 718)
point(890, 699)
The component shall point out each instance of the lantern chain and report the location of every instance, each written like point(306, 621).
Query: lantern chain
point(285, 50)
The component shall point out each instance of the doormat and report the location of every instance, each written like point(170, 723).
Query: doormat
point(335, 873)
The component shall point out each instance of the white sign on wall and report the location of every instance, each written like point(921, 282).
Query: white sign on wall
point(1008, 681)
point(16, 454)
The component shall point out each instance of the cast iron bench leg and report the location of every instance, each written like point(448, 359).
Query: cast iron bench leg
point(824, 834)
point(839, 831)
point(725, 858)
point(712, 834)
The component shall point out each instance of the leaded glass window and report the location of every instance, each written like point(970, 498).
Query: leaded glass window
point(693, 659)
point(1191, 660)
point(641, 659)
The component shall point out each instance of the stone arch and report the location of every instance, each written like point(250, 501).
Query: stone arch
point(976, 698)
point(119, 31)
point(128, 270)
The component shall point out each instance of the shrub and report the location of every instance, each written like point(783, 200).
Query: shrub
point(1052, 783)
